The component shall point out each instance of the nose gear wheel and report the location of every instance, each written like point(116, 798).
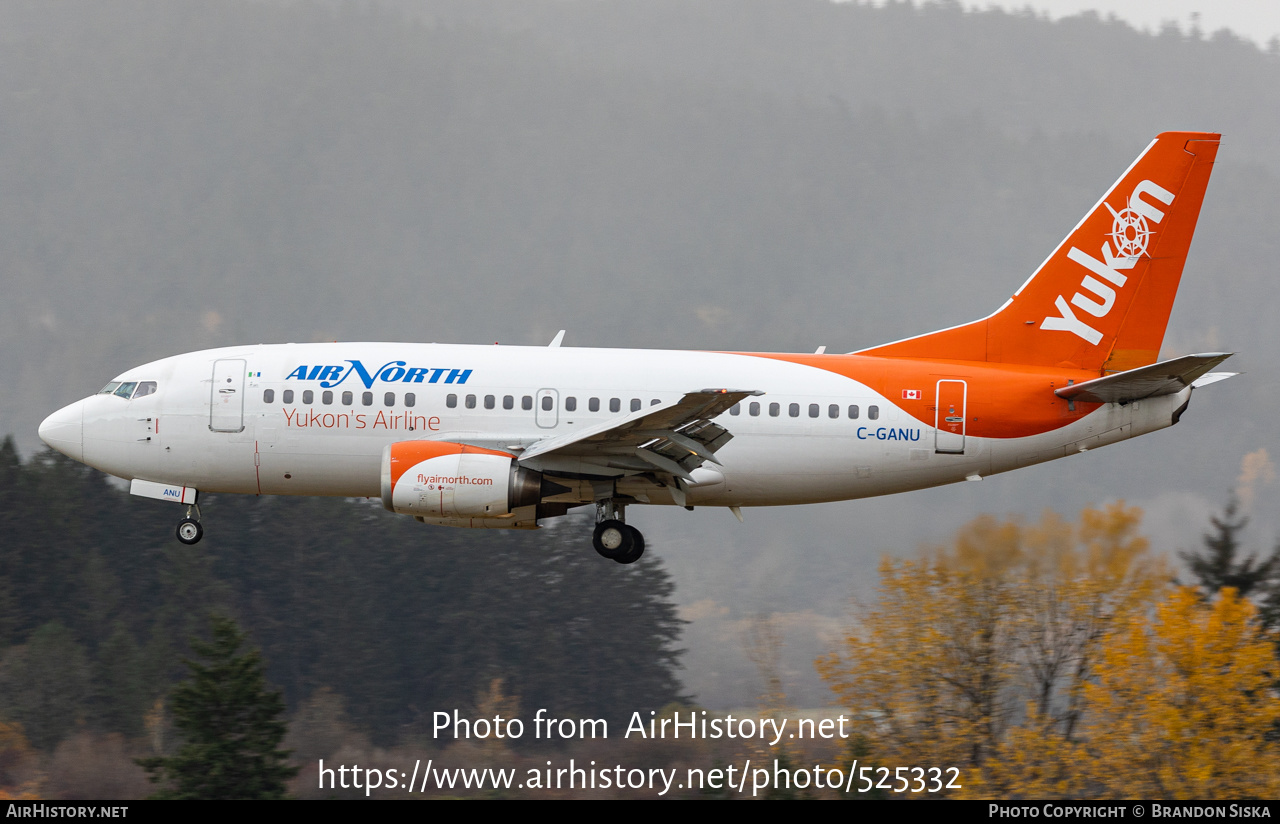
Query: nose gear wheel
point(189, 529)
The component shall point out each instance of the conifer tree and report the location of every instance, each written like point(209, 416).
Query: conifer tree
point(1216, 566)
point(230, 726)
point(1269, 613)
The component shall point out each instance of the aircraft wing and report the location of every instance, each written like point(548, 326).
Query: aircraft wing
point(1164, 378)
point(674, 437)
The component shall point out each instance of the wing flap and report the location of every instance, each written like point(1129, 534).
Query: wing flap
point(675, 437)
point(1164, 378)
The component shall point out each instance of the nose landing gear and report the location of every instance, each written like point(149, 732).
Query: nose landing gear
point(612, 538)
point(189, 529)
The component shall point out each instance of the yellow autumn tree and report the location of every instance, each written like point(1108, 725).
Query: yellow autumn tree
point(1078, 582)
point(1180, 707)
point(1183, 704)
point(1000, 627)
point(916, 695)
point(20, 775)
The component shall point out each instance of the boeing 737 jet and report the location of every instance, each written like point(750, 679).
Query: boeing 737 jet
point(507, 436)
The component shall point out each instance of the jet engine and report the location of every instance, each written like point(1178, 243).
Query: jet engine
point(445, 480)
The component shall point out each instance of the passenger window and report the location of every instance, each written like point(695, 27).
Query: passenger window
point(109, 389)
point(389, 399)
point(348, 399)
point(410, 399)
point(873, 412)
point(268, 396)
point(124, 390)
point(287, 397)
point(853, 411)
point(774, 409)
point(145, 388)
point(451, 401)
point(833, 411)
point(614, 404)
point(755, 409)
point(813, 410)
point(793, 410)
point(736, 409)
point(508, 402)
point(308, 397)
point(490, 401)
point(635, 404)
point(326, 397)
point(366, 398)
point(526, 403)
point(571, 404)
point(547, 403)
point(471, 401)
point(593, 405)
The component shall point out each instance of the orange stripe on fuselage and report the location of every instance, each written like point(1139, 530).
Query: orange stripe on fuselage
point(1005, 400)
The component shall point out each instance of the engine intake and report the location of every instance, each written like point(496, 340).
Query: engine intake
point(441, 479)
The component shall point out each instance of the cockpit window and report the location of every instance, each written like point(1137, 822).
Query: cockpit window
point(129, 389)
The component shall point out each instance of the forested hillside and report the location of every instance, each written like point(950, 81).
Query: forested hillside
point(98, 603)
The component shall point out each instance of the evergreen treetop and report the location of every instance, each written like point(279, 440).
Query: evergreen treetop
point(1216, 566)
point(230, 726)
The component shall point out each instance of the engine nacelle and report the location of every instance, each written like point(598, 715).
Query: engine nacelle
point(440, 479)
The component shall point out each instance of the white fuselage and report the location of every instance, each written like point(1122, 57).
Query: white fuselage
point(258, 420)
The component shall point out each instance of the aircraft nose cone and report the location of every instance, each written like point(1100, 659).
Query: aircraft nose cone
point(64, 430)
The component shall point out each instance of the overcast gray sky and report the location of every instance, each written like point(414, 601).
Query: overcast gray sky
point(1257, 20)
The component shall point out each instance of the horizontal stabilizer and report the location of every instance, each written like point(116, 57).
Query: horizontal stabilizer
point(1164, 378)
point(1212, 377)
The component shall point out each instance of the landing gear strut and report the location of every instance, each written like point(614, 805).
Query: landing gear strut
point(189, 529)
point(613, 538)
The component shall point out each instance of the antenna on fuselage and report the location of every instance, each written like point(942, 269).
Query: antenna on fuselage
point(555, 342)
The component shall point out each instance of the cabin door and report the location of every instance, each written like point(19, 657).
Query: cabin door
point(949, 418)
point(547, 408)
point(226, 396)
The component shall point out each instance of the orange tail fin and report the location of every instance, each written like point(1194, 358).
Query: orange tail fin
point(1101, 301)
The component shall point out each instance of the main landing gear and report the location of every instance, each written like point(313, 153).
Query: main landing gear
point(189, 529)
point(613, 538)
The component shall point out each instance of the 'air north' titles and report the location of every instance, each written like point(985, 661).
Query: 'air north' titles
point(391, 372)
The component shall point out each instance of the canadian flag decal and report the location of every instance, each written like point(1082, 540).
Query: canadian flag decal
point(911, 394)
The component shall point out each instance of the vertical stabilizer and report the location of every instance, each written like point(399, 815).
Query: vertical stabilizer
point(1102, 299)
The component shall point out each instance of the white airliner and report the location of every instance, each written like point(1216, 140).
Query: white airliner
point(505, 436)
